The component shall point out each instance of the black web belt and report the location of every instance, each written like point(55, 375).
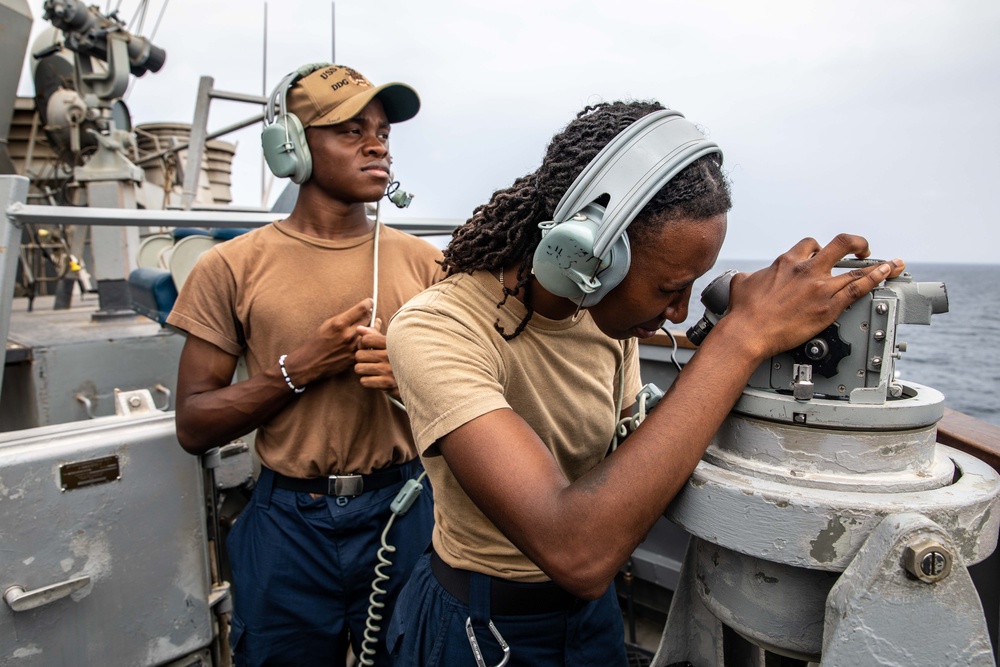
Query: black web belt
point(344, 485)
point(507, 598)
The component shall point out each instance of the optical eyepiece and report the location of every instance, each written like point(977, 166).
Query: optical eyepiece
point(715, 297)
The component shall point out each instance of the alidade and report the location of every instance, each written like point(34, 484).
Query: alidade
point(854, 358)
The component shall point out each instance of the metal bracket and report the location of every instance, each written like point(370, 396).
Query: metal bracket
point(166, 396)
point(132, 403)
point(220, 599)
point(878, 612)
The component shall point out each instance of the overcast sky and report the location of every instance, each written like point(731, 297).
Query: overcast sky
point(874, 117)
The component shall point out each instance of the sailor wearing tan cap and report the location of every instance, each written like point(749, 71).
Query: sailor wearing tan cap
point(303, 301)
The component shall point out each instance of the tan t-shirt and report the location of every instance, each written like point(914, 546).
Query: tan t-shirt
point(265, 293)
point(560, 376)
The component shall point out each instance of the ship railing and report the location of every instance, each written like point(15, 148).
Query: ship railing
point(17, 214)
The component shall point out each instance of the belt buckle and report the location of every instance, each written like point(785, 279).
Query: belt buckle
point(344, 485)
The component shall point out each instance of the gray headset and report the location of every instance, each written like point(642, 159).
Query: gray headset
point(283, 138)
point(584, 252)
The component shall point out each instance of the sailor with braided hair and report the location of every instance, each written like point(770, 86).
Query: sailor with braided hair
point(505, 231)
point(517, 367)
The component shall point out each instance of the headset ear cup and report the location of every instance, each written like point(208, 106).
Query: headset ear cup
point(564, 261)
point(617, 262)
point(285, 150)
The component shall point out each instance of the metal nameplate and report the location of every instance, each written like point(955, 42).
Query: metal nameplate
point(82, 474)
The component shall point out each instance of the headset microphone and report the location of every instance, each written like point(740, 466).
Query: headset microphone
point(584, 252)
point(400, 198)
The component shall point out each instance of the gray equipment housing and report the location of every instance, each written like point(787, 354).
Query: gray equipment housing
point(15, 18)
point(828, 525)
point(91, 553)
point(857, 352)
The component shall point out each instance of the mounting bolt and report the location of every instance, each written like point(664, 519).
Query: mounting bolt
point(927, 560)
point(881, 309)
point(864, 326)
point(777, 366)
point(876, 361)
point(879, 335)
point(816, 349)
point(134, 401)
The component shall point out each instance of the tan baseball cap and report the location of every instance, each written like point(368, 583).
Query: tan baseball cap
point(333, 94)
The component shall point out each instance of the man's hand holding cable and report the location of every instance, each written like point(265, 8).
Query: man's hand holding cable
point(372, 360)
point(331, 350)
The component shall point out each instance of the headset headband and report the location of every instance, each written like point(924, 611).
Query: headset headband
point(632, 168)
point(280, 93)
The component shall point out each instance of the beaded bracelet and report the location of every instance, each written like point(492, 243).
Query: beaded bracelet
point(288, 380)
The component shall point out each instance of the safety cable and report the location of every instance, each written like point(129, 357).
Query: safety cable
point(159, 18)
point(139, 16)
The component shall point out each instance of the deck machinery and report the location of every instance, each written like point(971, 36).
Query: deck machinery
point(829, 526)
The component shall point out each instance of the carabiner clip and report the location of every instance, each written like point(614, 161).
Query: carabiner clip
point(477, 653)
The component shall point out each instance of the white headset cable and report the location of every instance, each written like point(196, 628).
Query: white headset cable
point(371, 323)
point(647, 398)
point(673, 342)
point(378, 224)
point(621, 425)
point(399, 506)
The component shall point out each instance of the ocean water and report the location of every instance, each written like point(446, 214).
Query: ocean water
point(958, 353)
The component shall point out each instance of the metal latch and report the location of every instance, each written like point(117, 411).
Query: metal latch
point(19, 599)
point(802, 386)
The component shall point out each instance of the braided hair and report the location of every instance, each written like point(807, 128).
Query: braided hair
point(504, 231)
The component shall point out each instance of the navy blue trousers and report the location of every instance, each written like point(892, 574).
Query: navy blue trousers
point(303, 570)
point(428, 629)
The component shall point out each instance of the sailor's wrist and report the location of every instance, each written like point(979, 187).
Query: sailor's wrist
point(295, 387)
